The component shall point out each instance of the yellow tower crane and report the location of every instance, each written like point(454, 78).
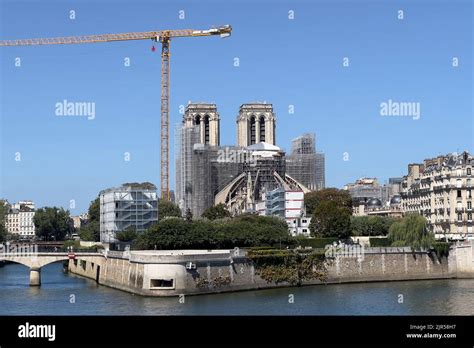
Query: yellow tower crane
point(163, 36)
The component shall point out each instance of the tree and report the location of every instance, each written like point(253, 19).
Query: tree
point(52, 223)
point(330, 220)
point(91, 230)
point(3, 233)
point(171, 233)
point(244, 231)
point(94, 210)
point(214, 212)
point(128, 235)
point(370, 225)
point(341, 197)
point(411, 231)
point(3, 213)
point(168, 209)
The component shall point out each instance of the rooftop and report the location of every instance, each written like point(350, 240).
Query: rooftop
point(263, 147)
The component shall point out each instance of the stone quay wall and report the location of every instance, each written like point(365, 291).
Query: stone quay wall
point(173, 273)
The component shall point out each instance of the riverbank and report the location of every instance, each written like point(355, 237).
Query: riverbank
point(192, 272)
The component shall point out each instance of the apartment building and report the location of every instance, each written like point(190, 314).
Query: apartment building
point(440, 189)
point(19, 219)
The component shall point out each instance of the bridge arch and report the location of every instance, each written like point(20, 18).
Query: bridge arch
point(36, 261)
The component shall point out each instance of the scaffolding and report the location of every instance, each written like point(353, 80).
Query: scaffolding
point(305, 164)
point(200, 171)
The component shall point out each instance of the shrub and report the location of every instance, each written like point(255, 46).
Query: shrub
point(379, 242)
point(315, 242)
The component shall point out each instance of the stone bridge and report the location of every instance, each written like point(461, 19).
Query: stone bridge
point(37, 260)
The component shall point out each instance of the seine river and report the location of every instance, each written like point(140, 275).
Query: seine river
point(438, 297)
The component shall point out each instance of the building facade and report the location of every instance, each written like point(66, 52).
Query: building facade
point(206, 118)
point(287, 205)
point(237, 176)
point(440, 189)
point(19, 219)
point(130, 206)
point(256, 124)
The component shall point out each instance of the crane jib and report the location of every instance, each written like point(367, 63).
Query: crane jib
point(164, 37)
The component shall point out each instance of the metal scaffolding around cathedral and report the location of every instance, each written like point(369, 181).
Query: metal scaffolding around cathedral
point(305, 164)
point(208, 173)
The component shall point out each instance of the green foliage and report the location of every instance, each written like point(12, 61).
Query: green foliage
point(331, 220)
point(291, 266)
point(3, 233)
point(3, 213)
point(128, 235)
point(90, 231)
point(379, 242)
point(52, 223)
point(71, 243)
point(317, 243)
point(167, 209)
point(252, 230)
point(441, 249)
point(371, 225)
point(216, 212)
point(342, 198)
point(94, 210)
point(243, 231)
point(411, 231)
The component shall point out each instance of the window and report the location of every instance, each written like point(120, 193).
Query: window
point(469, 195)
point(206, 129)
point(468, 171)
point(304, 221)
point(459, 217)
point(458, 193)
point(161, 283)
point(469, 216)
point(262, 128)
point(469, 205)
point(252, 130)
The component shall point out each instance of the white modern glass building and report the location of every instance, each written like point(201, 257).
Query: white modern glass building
point(131, 206)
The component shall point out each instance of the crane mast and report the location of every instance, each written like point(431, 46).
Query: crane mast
point(164, 37)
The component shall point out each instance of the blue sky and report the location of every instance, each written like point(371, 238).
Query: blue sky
point(285, 62)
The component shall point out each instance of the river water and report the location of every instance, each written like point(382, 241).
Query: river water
point(58, 290)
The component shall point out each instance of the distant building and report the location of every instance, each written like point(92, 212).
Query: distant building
point(289, 206)
point(440, 189)
point(299, 226)
point(80, 220)
point(371, 198)
point(19, 219)
point(128, 206)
